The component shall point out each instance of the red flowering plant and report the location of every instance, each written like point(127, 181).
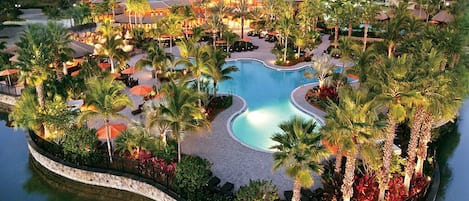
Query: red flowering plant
point(365, 188)
point(151, 165)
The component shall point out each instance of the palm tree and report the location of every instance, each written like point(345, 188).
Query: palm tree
point(309, 12)
point(201, 61)
point(230, 38)
point(285, 25)
point(299, 150)
point(112, 4)
point(34, 59)
point(215, 69)
point(106, 97)
point(242, 12)
point(156, 58)
point(334, 17)
point(172, 25)
point(154, 119)
point(60, 46)
point(323, 68)
point(181, 112)
point(368, 14)
point(112, 48)
point(393, 86)
point(394, 28)
point(107, 29)
point(350, 15)
point(355, 120)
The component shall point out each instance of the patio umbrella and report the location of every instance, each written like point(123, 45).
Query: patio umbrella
point(141, 90)
point(104, 65)
point(115, 129)
point(8, 72)
point(246, 39)
point(130, 70)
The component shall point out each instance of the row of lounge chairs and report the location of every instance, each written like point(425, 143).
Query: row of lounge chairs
point(226, 189)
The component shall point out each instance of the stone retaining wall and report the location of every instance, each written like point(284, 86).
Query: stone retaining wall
point(8, 100)
point(99, 179)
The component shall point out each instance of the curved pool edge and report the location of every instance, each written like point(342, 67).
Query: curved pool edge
point(229, 123)
point(277, 68)
point(297, 98)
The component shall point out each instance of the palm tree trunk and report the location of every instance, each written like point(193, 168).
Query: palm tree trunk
point(198, 90)
point(350, 29)
point(336, 36)
point(390, 48)
point(425, 137)
point(40, 95)
point(179, 150)
point(412, 148)
point(365, 35)
point(171, 44)
point(214, 89)
point(112, 64)
point(285, 51)
point(338, 161)
point(135, 18)
point(65, 70)
point(163, 137)
point(108, 139)
point(296, 190)
point(157, 81)
point(130, 21)
point(347, 186)
point(113, 12)
point(242, 27)
point(387, 155)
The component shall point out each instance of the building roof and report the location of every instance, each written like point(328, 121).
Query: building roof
point(81, 49)
point(443, 16)
point(146, 19)
point(419, 13)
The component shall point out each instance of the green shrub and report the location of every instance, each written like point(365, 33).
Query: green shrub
point(257, 190)
point(192, 173)
point(80, 145)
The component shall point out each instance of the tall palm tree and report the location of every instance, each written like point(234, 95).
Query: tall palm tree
point(112, 4)
point(367, 14)
point(299, 150)
point(154, 119)
point(230, 38)
point(156, 58)
point(355, 120)
point(107, 29)
point(34, 59)
point(392, 83)
point(60, 46)
point(242, 12)
point(201, 62)
point(215, 69)
point(395, 27)
point(333, 18)
point(285, 25)
point(173, 26)
point(112, 48)
point(106, 97)
point(181, 112)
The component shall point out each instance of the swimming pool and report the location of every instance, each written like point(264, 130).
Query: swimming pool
point(267, 93)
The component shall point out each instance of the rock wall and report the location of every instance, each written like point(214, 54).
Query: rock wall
point(100, 179)
point(7, 100)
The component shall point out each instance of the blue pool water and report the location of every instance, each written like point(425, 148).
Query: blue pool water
point(267, 93)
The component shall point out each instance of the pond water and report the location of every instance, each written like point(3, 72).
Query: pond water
point(22, 179)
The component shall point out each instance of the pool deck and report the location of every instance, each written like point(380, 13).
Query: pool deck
point(234, 162)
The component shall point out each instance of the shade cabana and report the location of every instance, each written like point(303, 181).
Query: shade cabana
point(8, 72)
point(443, 17)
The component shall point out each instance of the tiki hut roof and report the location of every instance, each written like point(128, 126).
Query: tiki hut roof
point(443, 16)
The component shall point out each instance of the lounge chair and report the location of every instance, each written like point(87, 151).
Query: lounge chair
point(227, 189)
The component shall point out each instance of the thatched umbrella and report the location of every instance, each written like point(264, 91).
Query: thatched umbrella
point(443, 17)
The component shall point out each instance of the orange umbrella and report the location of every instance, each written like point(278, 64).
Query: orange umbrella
point(318, 29)
point(115, 75)
point(8, 72)
point(115, 129)
point(75, 73)
point(104, 65)
point(189, 32)
point(246, 39)
point(220, 42)
point(160, 95)
point(141, 90)
point(130, 70)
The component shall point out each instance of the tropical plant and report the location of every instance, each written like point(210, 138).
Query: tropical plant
point(131, 141)
point(192, 174)
point(173, 26)
point(80, 145)
point(257, 190)
point(323, 68)
point(105, 96)
point(156, 58)
point(299, 150)
point(24, 113)
point(59, 45)
point(285, 24)
point(242, 12)
point(112, 48)
point(216, 69)
point(354, 121)
point(180, 112)
point(34, 59)
point(153, 116)
point(367, 14)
